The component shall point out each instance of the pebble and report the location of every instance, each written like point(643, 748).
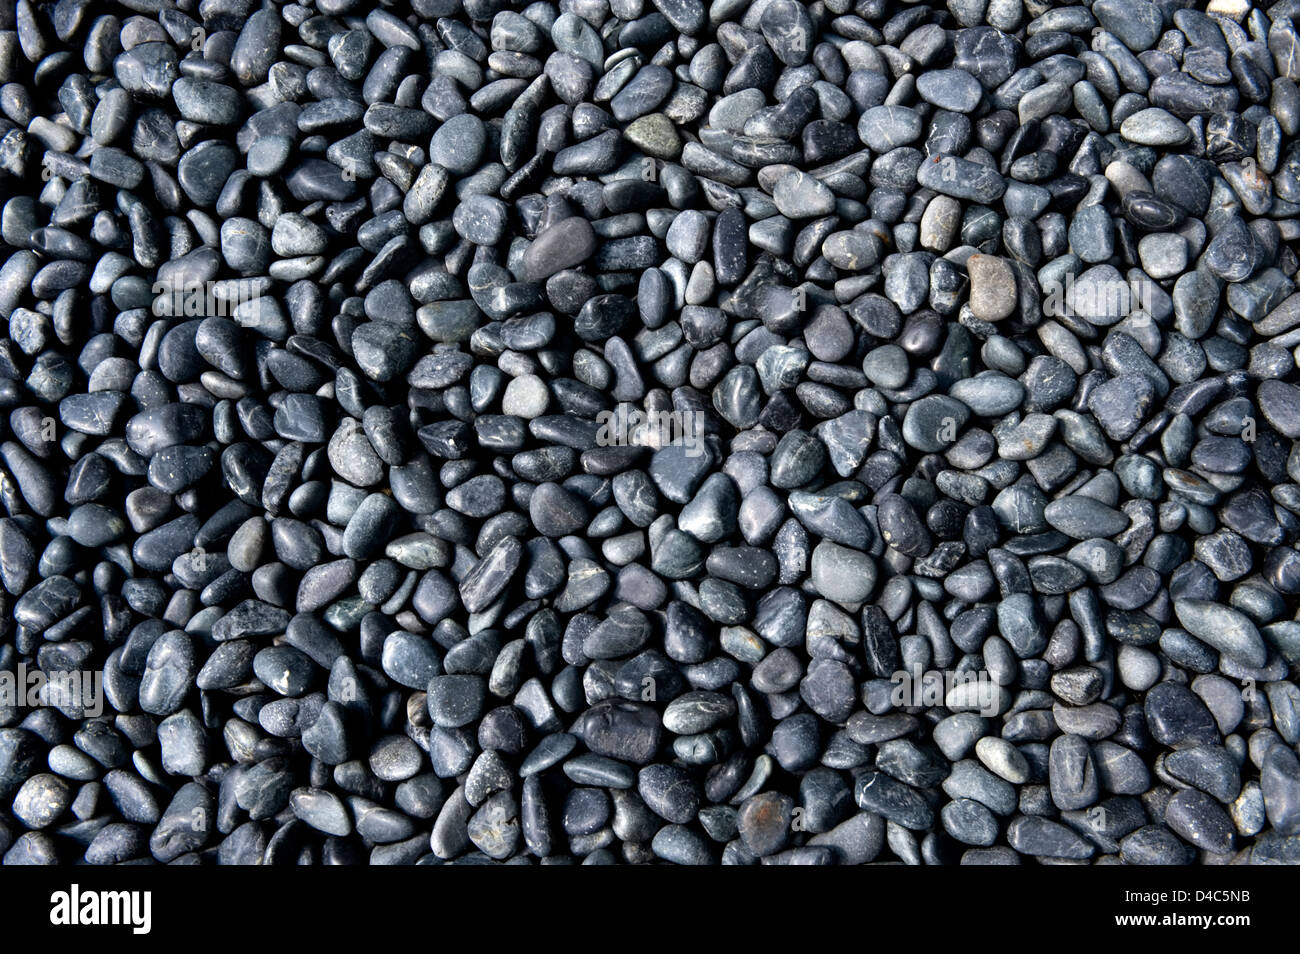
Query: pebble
point(1155, 127)
point(763, 822)
point(992, 287)
point(609, 419)
point(799, 196)
point(1227, 630)
point(953, 89)
point(458, 144)
point(565, 244)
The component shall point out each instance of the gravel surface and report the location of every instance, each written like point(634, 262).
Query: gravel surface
point(631, 431)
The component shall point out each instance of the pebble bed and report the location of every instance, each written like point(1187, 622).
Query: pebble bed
point(633, 431)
